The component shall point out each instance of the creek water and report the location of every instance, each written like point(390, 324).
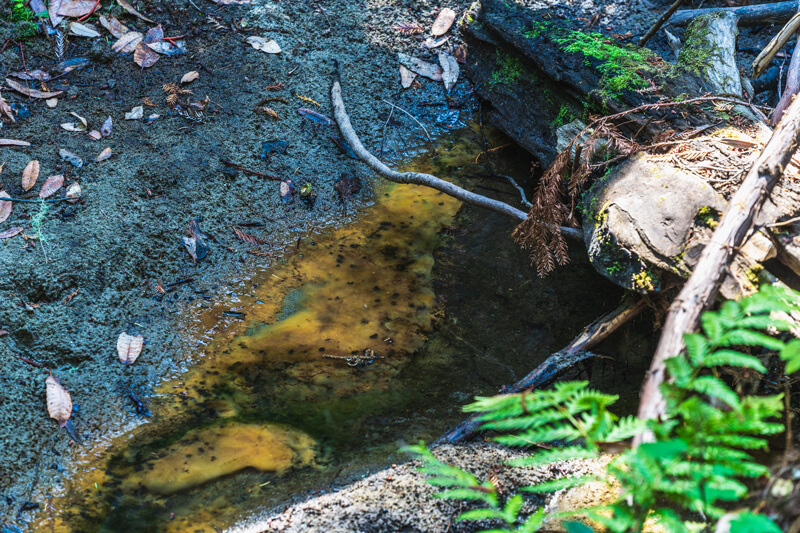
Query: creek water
point(365, 338)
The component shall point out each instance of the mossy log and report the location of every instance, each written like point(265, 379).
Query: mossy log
point(649, 218)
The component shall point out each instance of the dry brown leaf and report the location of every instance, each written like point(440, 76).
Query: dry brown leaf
point(11, 232)
point(76, 8)
point(30, 175)
point(114, 27)
point(51, 185)
point(33, 93)
point(460, 54)
point(406, 77)
point(135, 113)
point(13, 142)
point(129, 347)
point(105, 154)
point(59, 403)
point(105, 129)
point(6, 111)
point(268, 111)
point(55, 6)
point(51, 102)
point(95, 135)
point(423, 68)
point(130, 9)
point(449, 70)
point(144, 56)
point(443, 22)
point(5, 207)
point(190, 76)
point(127, 43)
point(83, 30)
point(74, 191)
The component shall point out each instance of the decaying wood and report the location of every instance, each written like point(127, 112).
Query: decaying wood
point(346, 128)
point(702, 286)
point(792, 83)
point(768, 53)
point(575, 352)
point(748, 15)
point(660, 22)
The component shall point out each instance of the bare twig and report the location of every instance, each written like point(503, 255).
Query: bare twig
point(410, 115)
point(346, 128)
point(516, 186)
point(702, 286)
point(660, 22)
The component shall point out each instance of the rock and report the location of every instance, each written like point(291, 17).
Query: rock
point(646, 218)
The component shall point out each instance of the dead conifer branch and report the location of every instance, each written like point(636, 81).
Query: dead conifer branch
point(346, 128)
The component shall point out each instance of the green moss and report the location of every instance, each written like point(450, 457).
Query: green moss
point(621, 67)
point(752, 275)
point(615, 268)
point(565, 116)
point(695, 55)
point(643, 281)
point(708, 216)
point(508, 70)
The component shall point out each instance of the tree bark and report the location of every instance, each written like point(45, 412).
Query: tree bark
point(702, 286)
point(748, 15)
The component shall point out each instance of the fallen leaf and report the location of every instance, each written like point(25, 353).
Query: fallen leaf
point(37, 74)
point(449, 70)
point(83, 30)
point(168, 48)
point(105, 129)
point(33, 93)
point(74, 191)
point(443, 22)
point(68, 156)
point(30, 175)
point(135, 113)
point(129, 347)
point(72, 126)
point(460, 54)
point(431, 43)
point(130, 9)
point(95, 135)
point(260, 43)
point(11, 232)
point(59, 403)
point(5, 207)
point(195, 240)
point(190, 76)
point(287, 190)
point(105, 154)
point(51, 102)
point(38, 7)
point(144, 56)
point(13, 142)
point(114, 27)
point(406, 77)
point(127, 43)
point(423, 68)
point(55, 6)
point(316, 116)
point(154, 35)
point(51, 185)
point(76, 8)
point(6, 111)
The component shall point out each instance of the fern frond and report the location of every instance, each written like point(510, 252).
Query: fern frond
point(713, 386)
point(554, 456)
point(559, 484)
point(625, 428)
point(733, 358)
point(748, 337)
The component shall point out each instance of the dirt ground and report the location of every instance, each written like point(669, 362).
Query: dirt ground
point(65, 301)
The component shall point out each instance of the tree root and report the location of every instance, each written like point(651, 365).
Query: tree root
point(575, 352)
point(346, 128)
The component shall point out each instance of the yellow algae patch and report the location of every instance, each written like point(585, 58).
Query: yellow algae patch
point(210, 453)
point(364, 286)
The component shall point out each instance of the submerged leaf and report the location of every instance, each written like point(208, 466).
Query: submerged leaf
point(59, 402)
point(129, 347)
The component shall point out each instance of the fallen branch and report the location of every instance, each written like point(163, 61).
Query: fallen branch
point(702, 286)
point(346, 128)
point(748, 15)
point(660, 22)
point(766, 56)
point(792, 84)
point(564, 359)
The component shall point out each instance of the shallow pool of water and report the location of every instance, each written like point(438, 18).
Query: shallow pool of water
point(366, 337)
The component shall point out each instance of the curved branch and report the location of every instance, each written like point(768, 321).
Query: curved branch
point(419, 178)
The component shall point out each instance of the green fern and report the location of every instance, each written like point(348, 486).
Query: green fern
point(701, 454)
